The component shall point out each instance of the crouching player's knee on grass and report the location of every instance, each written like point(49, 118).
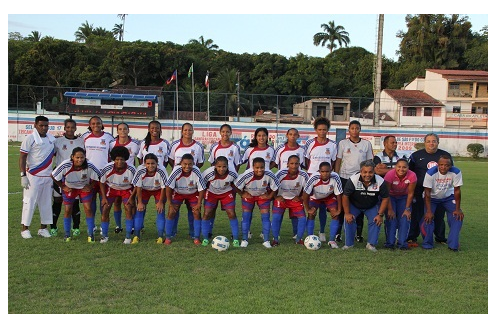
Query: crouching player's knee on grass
point(256, 186)
point(150, 181)
point(116, 181)
point(76, 177)
point(185, 184)
point(289, 196)
point(443, 188)
point(324, 190)
point(220, 188)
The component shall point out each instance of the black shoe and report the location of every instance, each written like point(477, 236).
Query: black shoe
point(338, 238)
point(405, 248)
point(454, 250)
point(210, 235)
point(359, 239)
point(118, 230)
point(441, 241)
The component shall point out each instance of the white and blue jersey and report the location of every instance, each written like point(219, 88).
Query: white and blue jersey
point(257, 186)
point(251, 153)
point(75, 179)
point(39, 156)
point(117, 180)
point(64, 147)
point(160, 148)
point(232, 152)
point(321, 189)
point(291, 186)
point(186, 184)
point(147, 182)
point(283, 152)
point(132, 145)
point(442, 185)
point(178, 149)
point(97, 148)
point(218, 184)
point(316, 153)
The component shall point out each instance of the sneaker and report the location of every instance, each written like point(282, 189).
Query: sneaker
point(101, 231)
point(244, 243)
point(275, 243)
point(26, 234)
point(44, 232)
point(76, 232)
point(300, 242)
point(404, 248)
point(159, 240)
point(412, 244)
point(261, 236)
point(370, 247)
point(322, 237)
point(54, 231)
point(250, 235)
point(118, 230)
point(197, 242)
point(104, 239)
point(267, 244)
point(236, 243)
point(440, 241)
point(453, 250)
point(338, 238)
point(91, 239)
point(127, 241)
point(95, 229)
point(294, 237)
point(205, 242)
point(359, 239)
point(167, 241)
point(132, 231)
point(135, 240)
point(333, 244)
point(347, 247)
point(66, 238)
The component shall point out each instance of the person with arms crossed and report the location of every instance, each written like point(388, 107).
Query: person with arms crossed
point(148, 182)
point(289, 196)
point(351, 152)
point(123, 139)
point(317, 150)
point(64, 145)
point(420, 162)
point(75, 177)
point(35, 161)
point(401, 183)
point(220, 184)
point(324, 191)
point(116, 181)
point(443, 187)
point(185, 184)
point(365, 192)
point(256, 186)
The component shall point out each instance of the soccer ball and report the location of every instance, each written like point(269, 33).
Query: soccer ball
point(312, 242)
point(220, 243)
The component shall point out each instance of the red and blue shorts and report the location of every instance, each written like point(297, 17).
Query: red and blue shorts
point(112, 194)
point(147, 194)
point(328, 202)
point(248, 203)
point(296, 208)
point(191, 199)
point(227, 200)
point(70, 197)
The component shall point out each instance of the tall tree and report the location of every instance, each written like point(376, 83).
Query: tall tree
point(118, 31)
point(35, 36)
point(208, 44)
point(83, 32)
point(121, 33)
point(333, 34)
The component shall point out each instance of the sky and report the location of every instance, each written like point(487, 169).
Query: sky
point(269, 30)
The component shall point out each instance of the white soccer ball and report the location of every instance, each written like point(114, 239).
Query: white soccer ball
point(312, 242)
point(220, 243)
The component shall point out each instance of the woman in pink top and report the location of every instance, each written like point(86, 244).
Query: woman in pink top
point(401, 183)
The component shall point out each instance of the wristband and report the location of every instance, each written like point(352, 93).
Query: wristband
point(381, 215)
point(408, 208)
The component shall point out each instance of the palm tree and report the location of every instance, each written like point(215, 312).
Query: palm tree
point(84, 32)
point(331, 35)
point(121, 33)
point(100, 31)
point(35, 36)
point(118, 31)
point(208, 44)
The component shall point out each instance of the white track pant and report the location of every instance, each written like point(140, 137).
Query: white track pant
point(39, 194)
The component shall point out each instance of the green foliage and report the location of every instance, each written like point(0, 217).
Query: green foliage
point(333, 35)
point(475, 149)
point(148, 278)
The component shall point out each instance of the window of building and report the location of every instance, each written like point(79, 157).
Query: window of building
point(338, 111)
point(428, 111)
point(485, 110)
point(474, 110)
point(456, 109)
point(321, 111)
point(411, 111)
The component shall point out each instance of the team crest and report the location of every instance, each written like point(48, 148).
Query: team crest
point(71, 142)
point(231, 153)
point(330, 188)
point(268, 157)
point(375, 186)
point(264, 183)
point(226, 184)
point(126, 180)
point(431, 164)
point(327, 151)
point(64, 147)
point(192, 152)
point(297, 185)
point(348, 151)
point(157, 183)
point(84, 176)
point(160, 149)
point(191, 184)
point(103, 142)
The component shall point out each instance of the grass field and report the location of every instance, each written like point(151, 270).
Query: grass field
point(50, 276)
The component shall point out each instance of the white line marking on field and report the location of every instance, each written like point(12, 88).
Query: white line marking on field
point(15, 193)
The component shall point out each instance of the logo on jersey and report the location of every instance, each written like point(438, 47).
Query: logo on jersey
point(126, 180)
point(268, 157)
point(103, 142)
point(374, 186)
point(160, 150)
point(192, 152)
point(231, 153)
point(327, 151)
point(71, 142)
point(348, 151)
point(264, 183)
point(191, 184)
point(64, 147)
point(407, 181)
point(157, 182)
point(226, 184)
point(330, 188)
point(431, 164)
point(297, 185)
point(84, 176)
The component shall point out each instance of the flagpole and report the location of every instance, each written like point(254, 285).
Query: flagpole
point(177, 96)
point(208, 105)
point(192, 75)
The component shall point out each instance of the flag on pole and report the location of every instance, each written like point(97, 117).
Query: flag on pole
point(207, 81)
point(191, 70)
point(172, 78)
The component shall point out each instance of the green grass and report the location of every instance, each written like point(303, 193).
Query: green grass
point(50, 276)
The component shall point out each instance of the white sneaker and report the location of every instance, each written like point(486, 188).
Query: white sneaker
point(322, 237)
point(95, 229)
point(250, 235)
point(26, 234)
point(370, 247)
point(44, 232)
point(294, 237)
point(127, 241)
point(333, 244)
point(104, 239)
point(267, 244)
point(347, 247)
point(262, 236)
point(244, 243)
